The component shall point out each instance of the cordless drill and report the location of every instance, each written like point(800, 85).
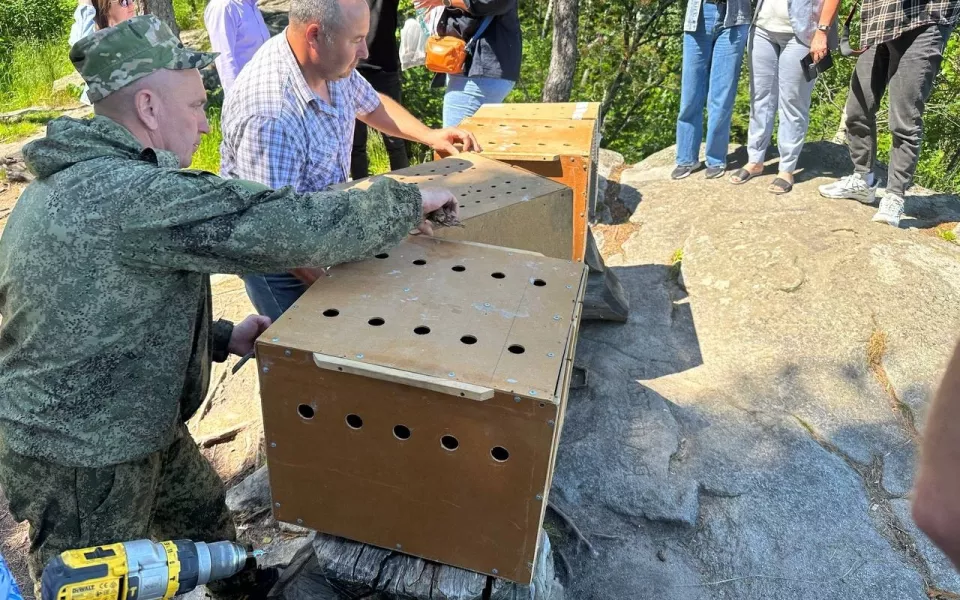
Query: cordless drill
point(142, 570)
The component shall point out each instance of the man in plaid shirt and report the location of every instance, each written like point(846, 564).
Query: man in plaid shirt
point(288, 120)
point(906, 39)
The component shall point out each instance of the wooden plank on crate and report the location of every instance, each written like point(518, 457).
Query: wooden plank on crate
point(577, 111)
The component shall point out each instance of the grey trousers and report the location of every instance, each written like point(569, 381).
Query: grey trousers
point(907, 66)
point(777, 81)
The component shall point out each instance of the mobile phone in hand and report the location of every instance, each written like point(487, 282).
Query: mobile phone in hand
point(812, 69)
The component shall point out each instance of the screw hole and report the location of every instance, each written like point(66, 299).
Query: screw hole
point(459, 268)
point(382, 256)
point(449, 443)
point(422, 330)
point(542, 405)
point(468, 340)
point(539, 282)
point(500, 454)
point(354, 421)
point(331, 312)
point(517, 349)
point(401, 432)
point(306, 411)
point(498, 275)
point(376, 321)
point(420, 262)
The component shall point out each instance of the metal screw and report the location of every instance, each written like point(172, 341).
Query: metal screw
point(406, 289)
point(451, 374)
point(359, 356)
point(275, 340)
point(551, 423)
point(556, 317)
point(399, 546)
point(287, 353)
point(273, 444)
point(549, 354)
point(486, 305)
point(495, 572)
point(277, 504)
point(569, 287)
point(299, 521)
point(266, 369)
point(539, 496)
point(516, 398)
point(295, 306)
point(533, 392)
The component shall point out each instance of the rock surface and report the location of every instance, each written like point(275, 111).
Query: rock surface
point(736, 441)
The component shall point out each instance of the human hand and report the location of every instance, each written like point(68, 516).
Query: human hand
point(246, 333)
point(444, 140)
point(308, 275)
point(818, 47)
point(435, 199)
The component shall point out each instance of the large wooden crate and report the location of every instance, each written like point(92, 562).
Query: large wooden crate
point(415, 401)
point(576, 111)
point(500, 204)
point(564, 150)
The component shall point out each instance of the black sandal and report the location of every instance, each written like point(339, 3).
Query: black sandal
point(780, 186)
point(742, 176)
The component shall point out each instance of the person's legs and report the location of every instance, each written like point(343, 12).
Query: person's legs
point(697, 47)
point(388, 82)
point(273, 293)
point(465, 96)
point(359, 162)
point(764, 55)
point(725, 68)
point(795, 94)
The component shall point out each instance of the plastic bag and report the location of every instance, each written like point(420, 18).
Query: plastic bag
point(414, 35)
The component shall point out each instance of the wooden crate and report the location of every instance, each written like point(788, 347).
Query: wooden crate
point(563, 150)
point(500, 205)
point(576, 111)
point(415, 401)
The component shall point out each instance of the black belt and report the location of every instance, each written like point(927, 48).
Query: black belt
point(715, 1)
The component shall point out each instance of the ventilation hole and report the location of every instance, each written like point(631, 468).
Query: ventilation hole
point(306, 411)
point(468, 340)
point(459, 268)
point(517, 349)
point(498, 275)
point(493, 197)
point(376, 321)
point(507, 182)
point(449, 443)
point(463, 195)
point(422, 330)
point(500, 454)
point(542, 405)
point(493, 186)
point(331, 312)
point(420, 262)
point(382, 256)
point(523, 188)
point(462, 206)
point(401, 432)
point(539, 282)
point(354, 421)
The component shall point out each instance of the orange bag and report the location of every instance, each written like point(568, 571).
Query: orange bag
point(446, 54)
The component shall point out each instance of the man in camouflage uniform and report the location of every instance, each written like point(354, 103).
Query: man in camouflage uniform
point(106, 339)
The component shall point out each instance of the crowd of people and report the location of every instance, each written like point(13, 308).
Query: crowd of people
point(785, 41)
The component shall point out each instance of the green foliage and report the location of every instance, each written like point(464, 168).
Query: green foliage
point(189, 13)
point(207, 157)
point(30, 20)
point(28, 76)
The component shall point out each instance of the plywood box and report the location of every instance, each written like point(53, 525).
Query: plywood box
point(500, 205)
point(576, 111)
point(415, 401)
point(563, 150)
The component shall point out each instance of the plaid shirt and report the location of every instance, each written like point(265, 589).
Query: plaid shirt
point(279, 132)
point(886, 20)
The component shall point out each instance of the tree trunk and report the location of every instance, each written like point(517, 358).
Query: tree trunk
point(163, 9)
point(565, 53)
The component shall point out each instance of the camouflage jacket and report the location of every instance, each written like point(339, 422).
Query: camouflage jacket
point(106, 339)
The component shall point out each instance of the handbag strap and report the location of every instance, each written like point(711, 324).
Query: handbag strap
point(476, 36)
point(845, 48)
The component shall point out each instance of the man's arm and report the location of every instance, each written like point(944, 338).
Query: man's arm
point(222, 27)
point(936, 501)
point(394, 120)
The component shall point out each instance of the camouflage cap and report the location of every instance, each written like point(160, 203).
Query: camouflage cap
point(113, 58)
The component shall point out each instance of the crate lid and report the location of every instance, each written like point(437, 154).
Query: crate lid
point(482, 185)
point(457, 312)
point(587, 111)
point(532, 139)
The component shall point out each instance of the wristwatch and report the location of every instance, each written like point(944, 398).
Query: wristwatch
point(819, 27)
point(447, 3)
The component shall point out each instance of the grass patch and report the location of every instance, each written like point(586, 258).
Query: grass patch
point(189, 13)
point(947, 235)
point(676, 263)
point(31, 71)
point(377, 155)
point(207, 157)
point(25, 126)
point(876, 348)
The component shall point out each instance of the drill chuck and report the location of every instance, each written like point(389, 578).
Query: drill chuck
point(141, 570)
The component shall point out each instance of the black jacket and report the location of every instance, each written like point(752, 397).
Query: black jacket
point(382, 38)
point(499, 50)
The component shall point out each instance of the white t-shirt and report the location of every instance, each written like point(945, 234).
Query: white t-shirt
point(775, 16)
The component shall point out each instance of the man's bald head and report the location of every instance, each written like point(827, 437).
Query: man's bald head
point(164, 110)
point(329, 36)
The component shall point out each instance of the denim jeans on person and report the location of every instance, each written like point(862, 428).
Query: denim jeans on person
point(465, 96)
point(273, 293)
point(712, 57)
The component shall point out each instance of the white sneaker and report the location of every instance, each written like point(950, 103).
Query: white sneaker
point(891, 209)
point(852, 187)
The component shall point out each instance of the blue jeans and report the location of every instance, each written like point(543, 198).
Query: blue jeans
point(465, 96)
point(712, 56)
point(273, 293)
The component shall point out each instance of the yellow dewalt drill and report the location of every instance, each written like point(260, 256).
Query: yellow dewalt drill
point(142, 570)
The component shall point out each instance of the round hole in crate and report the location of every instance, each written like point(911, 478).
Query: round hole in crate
point(420, 262)
point(462, 206)
point(478, 202)
point(422, 330)
point(498, 275)
point(517, 349)
point(542, 405)
point(306, 411)
point(493, 197)
point(459, 268)
point(500, 454)
point(331, 312)
point(469, 340)
point(539, 282)
point(523, 188)
point(354, 421)
point(449, 443)
point(376, 321)
point(463, 195)
point(401, 432)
